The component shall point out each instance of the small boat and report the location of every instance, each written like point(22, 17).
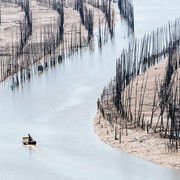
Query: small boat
point(28, 141)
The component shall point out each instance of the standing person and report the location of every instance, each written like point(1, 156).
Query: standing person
point(98, 103)
point(30, 138)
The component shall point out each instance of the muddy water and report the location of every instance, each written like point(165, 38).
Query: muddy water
point(58, 107)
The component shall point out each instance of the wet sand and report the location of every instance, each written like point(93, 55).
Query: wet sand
point(12, 14)
point(136, 141)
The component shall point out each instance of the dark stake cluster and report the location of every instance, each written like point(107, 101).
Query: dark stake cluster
point(106, 8)
point(122, 102)
point(127, 11)
point(44, 50)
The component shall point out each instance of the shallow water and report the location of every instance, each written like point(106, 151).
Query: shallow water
point(58, 107)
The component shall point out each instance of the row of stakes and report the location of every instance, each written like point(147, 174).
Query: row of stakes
point(26, 73)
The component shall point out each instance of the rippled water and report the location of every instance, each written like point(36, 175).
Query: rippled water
point(58, 107)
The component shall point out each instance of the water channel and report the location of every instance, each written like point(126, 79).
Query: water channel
point(58, 107)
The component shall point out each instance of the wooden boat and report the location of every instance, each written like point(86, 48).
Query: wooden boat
point(26, 141)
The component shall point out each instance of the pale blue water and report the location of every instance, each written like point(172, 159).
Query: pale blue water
point(58, 107)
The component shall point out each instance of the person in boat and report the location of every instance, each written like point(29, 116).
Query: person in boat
point(30, 138)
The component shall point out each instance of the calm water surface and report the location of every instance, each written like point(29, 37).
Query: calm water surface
point(58, 107)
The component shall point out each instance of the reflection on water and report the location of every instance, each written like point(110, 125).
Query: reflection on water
point(57, 108)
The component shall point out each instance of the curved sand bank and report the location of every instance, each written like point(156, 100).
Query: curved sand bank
point(136, 141)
